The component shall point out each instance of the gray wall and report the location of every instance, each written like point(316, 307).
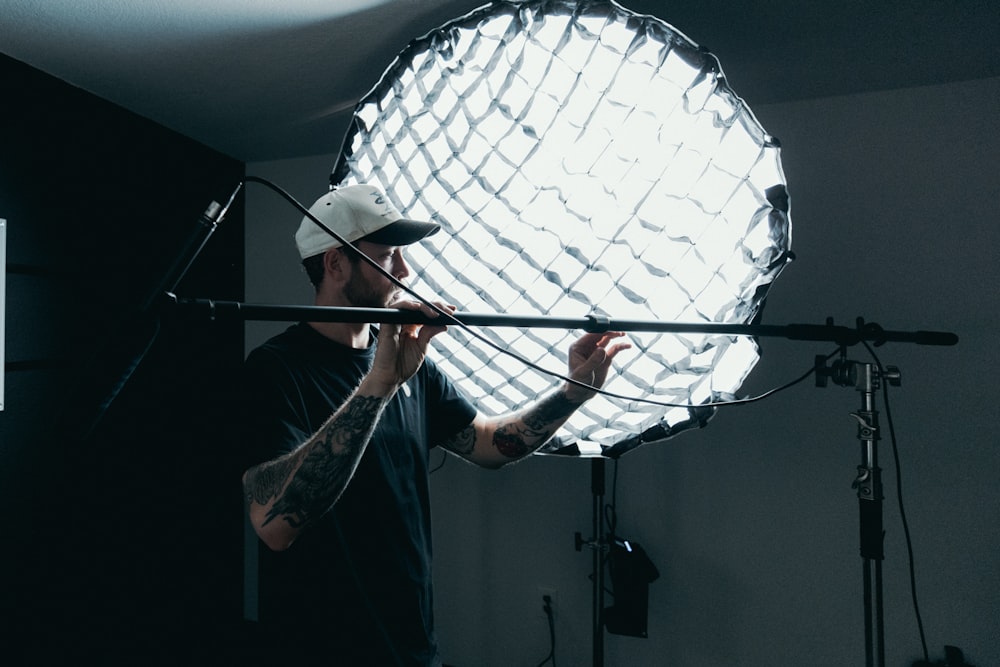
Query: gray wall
point(752, 521)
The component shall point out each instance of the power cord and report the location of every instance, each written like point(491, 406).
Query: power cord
point(453, 321)
point(547, 607)
point(611, 519)
point(899, 500)
point(444, 459)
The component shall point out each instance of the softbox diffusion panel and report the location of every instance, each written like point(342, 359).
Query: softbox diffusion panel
point(582, 159)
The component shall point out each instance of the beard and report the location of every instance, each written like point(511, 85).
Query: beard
point(362, 293)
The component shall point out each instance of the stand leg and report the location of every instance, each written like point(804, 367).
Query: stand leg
point(879, 618)
point(869, 639)
point(597, 489)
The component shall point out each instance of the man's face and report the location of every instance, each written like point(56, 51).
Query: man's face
point(368, 288)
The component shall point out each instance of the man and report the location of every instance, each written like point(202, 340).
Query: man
point(341, 421)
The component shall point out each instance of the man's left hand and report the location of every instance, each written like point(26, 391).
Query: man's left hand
point(590, 359)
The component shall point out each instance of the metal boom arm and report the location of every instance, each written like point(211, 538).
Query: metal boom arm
point(841, 335)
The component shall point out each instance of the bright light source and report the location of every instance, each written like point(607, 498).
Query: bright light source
point(581, 159)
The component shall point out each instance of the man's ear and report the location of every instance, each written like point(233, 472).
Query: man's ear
point(334, 263)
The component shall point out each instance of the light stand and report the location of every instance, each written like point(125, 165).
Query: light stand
point(866, 378)
point(599, 545)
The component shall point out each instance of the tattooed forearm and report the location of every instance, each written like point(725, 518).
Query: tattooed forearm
point(533, 427)
point(318, 471)
point(553, 408)
point(266, 480)
point(314, 488)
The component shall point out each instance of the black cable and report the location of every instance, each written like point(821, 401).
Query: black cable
point(453, 321)
point(444, 459)
point(611, 510)
point(551, 657)
point(770, 392)
point(611, 519)
point(899, 500)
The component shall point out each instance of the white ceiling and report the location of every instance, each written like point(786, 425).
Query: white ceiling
point(271, 79)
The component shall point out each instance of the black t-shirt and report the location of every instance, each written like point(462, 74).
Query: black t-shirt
point(359, 580)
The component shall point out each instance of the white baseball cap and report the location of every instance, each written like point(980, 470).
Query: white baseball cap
point(357, 212)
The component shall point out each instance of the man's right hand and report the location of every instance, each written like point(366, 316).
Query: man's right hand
point(402, 348)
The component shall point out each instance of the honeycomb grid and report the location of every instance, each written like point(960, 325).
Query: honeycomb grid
point(581, 159)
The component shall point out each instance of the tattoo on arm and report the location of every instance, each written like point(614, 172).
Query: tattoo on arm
point(307, 483)
point(463, 442)
point(534, 427)
point(265, 481)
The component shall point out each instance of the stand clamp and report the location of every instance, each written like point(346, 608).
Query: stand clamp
point(596, 543)
point(868, 482)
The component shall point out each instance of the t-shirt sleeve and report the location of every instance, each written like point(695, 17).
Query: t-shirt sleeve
point(449, 410)
point(273, 420)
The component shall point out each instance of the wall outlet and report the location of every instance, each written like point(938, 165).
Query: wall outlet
point(552, 594)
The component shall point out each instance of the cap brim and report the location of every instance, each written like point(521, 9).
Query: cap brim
point(402, 232)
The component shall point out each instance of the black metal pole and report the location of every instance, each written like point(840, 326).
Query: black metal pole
point(593, 323)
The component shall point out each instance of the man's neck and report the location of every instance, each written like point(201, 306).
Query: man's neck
point(357, 336)
point(352, 334)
